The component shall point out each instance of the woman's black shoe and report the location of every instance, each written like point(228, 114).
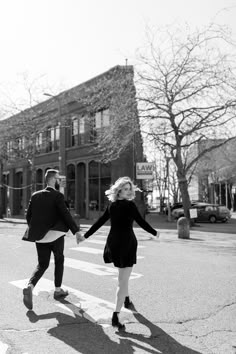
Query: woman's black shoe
point(128, 304)
point(116, 323)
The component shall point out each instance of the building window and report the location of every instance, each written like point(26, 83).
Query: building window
point(99, 182)
point(39, 142)
point(57, 137)
point(20, 146)
point(70, 183)
point(52, 138)
point(92, 128)
point(74, 131)
point(105, 118)
point(21, 143)
point(10, 150)
point(81, 136)
point(39, 179)
point(93, 185)
point(49, 138)
point(105, 173)
point(102, 119)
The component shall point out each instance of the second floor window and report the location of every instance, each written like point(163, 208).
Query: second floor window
point(10, 149)
point(74, 131)
point(57, 137)
point(81, 137)
point(39, 142)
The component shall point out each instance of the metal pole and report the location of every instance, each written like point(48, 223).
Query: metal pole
point(61, 137)
point(168, 188)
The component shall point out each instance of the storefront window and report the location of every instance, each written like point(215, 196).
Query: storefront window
point(70, 183)
point(39, 179)
point(99, 178)
point(93, 185)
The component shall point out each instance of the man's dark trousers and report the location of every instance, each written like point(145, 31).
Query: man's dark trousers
point(44, 253)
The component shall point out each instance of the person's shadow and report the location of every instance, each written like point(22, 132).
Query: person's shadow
point(159, 340)
point(88, 337)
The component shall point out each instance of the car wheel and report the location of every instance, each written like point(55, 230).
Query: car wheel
point(212, 219)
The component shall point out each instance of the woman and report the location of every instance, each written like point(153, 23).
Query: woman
point(121, 244)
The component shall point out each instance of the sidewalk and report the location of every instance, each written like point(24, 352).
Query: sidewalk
point(156, 220)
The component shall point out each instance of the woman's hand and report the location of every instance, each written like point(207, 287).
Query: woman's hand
point(79, 237)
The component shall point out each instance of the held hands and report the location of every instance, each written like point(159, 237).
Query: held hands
point(155, 238)
point(79, 237)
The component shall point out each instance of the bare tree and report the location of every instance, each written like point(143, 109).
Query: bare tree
point(20, 125)
point(186, 91)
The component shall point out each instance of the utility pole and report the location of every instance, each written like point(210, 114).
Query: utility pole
point(61, 154)
point(168, 186)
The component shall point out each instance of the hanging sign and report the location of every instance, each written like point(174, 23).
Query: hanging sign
point(144, 170)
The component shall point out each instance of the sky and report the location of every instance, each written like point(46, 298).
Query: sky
point(57, 44)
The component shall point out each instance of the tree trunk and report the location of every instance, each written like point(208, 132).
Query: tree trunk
point(183, 186)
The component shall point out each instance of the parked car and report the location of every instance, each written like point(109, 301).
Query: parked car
point(206, 212)
point(176, 205)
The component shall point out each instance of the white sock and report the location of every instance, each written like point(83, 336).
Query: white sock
point(57, 288)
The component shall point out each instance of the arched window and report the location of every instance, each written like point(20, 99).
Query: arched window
point(39, 179)
point(70, 183)
point(93, 185)
point(105, 183)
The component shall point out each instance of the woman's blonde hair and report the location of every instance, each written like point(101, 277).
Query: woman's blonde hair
point(113, 193)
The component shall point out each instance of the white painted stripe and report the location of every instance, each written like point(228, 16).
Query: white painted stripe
point(99, 242)
point(90, 307)
point(3, 348)
point(92, 250)
point(87, 250)
point(95, 269)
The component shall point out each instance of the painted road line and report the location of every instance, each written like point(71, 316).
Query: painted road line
point(100, 242)
point(87, 250)
point(90, 307)
point(95, 269)
point(92, 250)
point(3, 348)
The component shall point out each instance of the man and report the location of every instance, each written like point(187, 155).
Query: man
point(48, 220)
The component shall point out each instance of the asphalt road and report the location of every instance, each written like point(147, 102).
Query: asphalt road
point(184, 293)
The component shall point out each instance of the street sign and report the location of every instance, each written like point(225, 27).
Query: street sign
point(193, 213)
point(144, 170)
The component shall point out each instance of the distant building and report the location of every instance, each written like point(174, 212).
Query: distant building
point(214, 179)
point(61, 133)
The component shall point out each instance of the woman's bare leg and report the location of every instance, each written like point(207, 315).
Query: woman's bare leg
point(123, 286)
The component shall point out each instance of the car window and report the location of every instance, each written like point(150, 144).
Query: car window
point(211, 208)
point(223, 208)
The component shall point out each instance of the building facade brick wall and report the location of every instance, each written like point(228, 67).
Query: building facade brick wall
point(74, 152)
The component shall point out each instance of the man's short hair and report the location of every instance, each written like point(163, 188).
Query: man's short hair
point(51, 172)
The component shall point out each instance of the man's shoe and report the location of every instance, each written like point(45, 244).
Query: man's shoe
point(28, 297)
point(60, 294)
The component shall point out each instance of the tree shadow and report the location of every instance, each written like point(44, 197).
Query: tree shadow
point(87, 337)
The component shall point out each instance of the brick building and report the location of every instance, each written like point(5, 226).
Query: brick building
point(61, 133)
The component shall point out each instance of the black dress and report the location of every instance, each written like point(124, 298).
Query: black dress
point(121, 244)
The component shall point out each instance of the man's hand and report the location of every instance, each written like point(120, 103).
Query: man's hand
point(79, 237)
point(158, 234)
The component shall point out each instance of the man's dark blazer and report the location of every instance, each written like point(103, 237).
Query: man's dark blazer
point(47, 211)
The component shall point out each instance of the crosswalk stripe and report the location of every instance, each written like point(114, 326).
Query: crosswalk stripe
point(100, 242)
point(90, 307)
point(3, 348)
point(87, 250)
point(92, 250)
point(95, 269)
